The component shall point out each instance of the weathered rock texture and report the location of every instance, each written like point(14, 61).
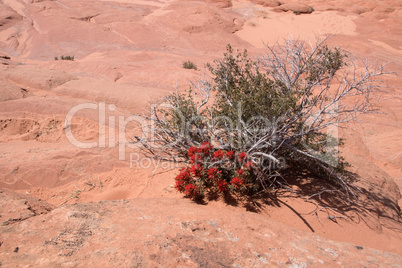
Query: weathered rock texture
point(163, 232)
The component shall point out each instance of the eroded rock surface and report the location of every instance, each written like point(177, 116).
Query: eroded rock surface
point(15, 207)
point(162, 232)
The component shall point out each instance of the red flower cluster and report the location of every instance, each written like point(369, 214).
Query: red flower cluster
point(191, 191)
point(241, 157)
point(183, 179)
point(192, 151)
point(248, 165)
point(185, 183)
point(196, 158)
point(222, 186)
point(230, 155)
point(213, 173)
point(225, 171)
point(196, 169)
point(218, 154)
point(205, 148)
point(196, 154)
point(237, 182)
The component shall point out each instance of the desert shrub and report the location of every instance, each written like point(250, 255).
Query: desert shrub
point(189, 65)
point(273, 111)
point(64, 58)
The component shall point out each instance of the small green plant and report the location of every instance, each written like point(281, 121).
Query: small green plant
point(189, 65)
point(75, 194)
point(91, 184)
point(65, 58)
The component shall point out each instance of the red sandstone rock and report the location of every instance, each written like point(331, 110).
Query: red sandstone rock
point(130, 52)
point(297, 8)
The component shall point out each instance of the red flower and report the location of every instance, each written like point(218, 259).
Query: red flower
point(196, 158)
point(205, 147)
point(248, 165)
point(182, 179)
point(191, 151)
point(222, 186)
point(196, 169)
point(240, 172)
point(179, 185)
point(213, 173)
point(184, 174)
point(218, 154)
point(230, 155)
point(191, 191)
point(236, 182)
point(242, 156)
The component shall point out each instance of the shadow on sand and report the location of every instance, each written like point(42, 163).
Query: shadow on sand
point(370, 204)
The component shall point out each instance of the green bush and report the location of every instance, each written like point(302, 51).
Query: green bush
point(277, 110)
point(64, 58)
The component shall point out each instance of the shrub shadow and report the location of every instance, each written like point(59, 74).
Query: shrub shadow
point(368, 206)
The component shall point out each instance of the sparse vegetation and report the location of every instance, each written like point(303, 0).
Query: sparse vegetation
point(87, 186)
point(254, 118)
point(189, 65)
point(64, 58)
